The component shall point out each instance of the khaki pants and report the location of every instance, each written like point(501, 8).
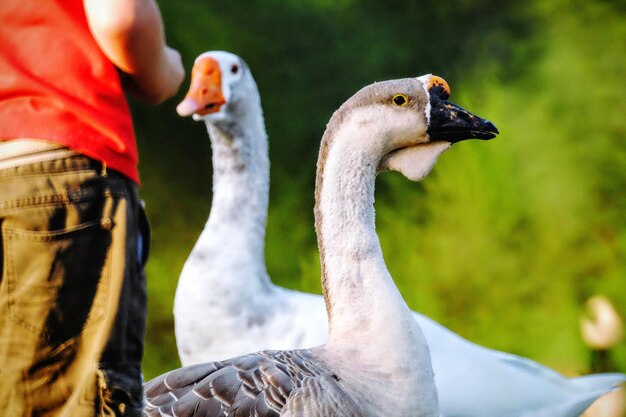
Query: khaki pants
point(72, 294)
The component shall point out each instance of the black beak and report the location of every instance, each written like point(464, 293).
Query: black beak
point(452, 123)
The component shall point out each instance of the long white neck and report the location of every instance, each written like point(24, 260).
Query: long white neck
point(360, 294)
point(369, 322)
point(234, 234)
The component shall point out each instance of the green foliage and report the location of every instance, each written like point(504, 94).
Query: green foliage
point(504, 240)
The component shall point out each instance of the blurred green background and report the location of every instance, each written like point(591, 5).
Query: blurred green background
point(505, 240)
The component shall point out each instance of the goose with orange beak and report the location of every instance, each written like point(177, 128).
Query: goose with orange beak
point(213, 78)
point(227, 306)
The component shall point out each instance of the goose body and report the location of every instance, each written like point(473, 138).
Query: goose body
point(376, 361)
point(226, 304)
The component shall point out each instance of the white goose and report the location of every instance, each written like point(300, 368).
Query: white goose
point(226, 305)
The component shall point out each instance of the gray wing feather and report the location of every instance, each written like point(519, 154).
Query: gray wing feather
point(254, 385)
point(320, 397)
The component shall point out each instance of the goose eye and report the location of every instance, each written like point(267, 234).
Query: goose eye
point(234, 69)
point(400, 100)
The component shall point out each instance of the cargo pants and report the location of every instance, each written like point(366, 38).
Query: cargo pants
point(72, 293)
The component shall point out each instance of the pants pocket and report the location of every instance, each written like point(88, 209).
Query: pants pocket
point(57, 280)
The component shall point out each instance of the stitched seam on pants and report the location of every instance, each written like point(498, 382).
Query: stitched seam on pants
point(59, 199)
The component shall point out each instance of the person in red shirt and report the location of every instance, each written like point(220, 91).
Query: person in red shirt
point(73, 231)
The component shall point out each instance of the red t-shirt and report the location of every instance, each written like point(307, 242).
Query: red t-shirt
point(57, 85)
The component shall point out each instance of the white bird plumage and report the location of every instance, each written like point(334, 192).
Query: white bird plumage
point(226, 305)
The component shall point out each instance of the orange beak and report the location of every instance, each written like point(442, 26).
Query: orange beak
point(205, 92)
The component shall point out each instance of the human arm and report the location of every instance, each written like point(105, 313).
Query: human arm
point(131, 35)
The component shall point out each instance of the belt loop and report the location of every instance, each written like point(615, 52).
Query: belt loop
point(103, 171)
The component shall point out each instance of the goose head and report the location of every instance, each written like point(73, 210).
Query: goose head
point(222, 89)
point(403, 125)
point(412, 123)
